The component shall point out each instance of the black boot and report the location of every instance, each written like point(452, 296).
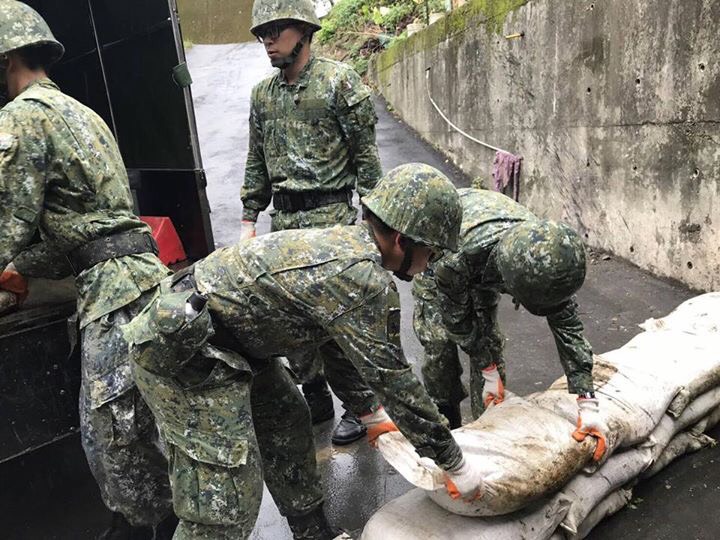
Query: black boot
point(348, 430)
point(452, 413)
point(312, 526)
point(320, 401)
point(166, 528)
point(120, 529)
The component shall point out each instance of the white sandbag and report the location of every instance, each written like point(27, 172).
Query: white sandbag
point(415, 517)
point(632, 399)
point(527, 452)
point(607, 507)
point(688, 360)
point(699, 315)
point(586, 491)
point(668, 427)
point(683, 443)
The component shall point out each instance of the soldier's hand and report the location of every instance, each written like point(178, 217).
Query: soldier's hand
point(493, 391)
point(247, 230)
point(377, 423)
point(590, 422)
point(465, 481)
point(13, 282)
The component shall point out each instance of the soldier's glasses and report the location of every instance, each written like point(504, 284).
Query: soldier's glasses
point(435, 254)
point(272, 30)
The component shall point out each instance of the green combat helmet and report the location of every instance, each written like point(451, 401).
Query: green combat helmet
point(542, 264)
point(267, 11)
point(419, 202)
point(22, 26)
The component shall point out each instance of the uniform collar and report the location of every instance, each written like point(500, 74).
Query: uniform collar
point(44, 82)
point(303, 78)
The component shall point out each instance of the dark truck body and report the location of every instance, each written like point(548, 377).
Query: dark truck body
point(122, 60)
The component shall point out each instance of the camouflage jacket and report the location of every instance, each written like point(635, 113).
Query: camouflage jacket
point(315, 135)
point(63, 183)
point(487, 217)
point(291, 290)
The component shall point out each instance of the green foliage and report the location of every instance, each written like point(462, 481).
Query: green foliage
point(356, 29)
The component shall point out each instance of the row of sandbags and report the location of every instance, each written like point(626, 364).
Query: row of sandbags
point(659, 394)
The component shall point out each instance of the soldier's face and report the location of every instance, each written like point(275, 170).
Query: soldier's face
point(421, 259)
point(279, 41)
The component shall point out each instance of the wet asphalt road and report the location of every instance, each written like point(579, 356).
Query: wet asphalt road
point(678, 503)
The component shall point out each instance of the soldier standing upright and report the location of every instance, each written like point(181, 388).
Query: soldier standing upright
point(505, 248)
point(312, 141)
point(62, 180)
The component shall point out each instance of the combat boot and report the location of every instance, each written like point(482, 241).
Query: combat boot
point(120, 529)
point(452, 413)
point(319, 400)
point(311, 526)
point(348, 430)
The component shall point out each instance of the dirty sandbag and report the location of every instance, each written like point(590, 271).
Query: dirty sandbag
point(414, 516)
point(527, 452)
point(632, 399)
point(689, 360)
point(47, 292)
point(587, 490)
point(699, 315)
point(607, 507)
point(668, 427)
point(683, 443)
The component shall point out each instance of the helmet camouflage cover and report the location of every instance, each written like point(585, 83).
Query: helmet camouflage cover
point(22, 26)
point(542, 263)
point(266, 11)
point(419, 202)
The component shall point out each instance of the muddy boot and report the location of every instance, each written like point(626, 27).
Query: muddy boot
point(318, 397)
point(120, 529)
point(452, 413)
point(166, 528)
point(348, 430)
point(312, 526)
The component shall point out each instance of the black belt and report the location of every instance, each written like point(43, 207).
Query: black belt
point(295, 202)
point(110, 247)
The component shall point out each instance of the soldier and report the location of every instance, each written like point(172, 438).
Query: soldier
point(312, 140)
point(504, 248)
point(62, 181)
point(285, 291)
point(441, 366)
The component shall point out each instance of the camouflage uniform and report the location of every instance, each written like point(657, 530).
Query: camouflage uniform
point(316, 135)
point(292, 290)
point(62, 176)
point(441, 367)
point(504, 248)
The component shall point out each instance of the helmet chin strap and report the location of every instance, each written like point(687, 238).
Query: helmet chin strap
point(287, 61)
point(401, 273)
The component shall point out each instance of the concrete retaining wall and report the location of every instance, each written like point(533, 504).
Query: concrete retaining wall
point(614, 105)
point(215, 21)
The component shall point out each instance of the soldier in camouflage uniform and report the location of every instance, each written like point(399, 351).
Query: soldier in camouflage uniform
point(312, 141)
point(290, 290)
point(441, 367)
point(504, 248)
point(63, 182)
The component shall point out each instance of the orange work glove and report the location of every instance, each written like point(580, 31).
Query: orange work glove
point(377, 423)
point(590, 422)
point(494, 391)
point(12, 281)
point(465, 481)
point(247, 229)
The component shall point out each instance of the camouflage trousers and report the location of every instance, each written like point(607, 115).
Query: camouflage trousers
point(119, 436)
point(327, 364)
point(441, 366)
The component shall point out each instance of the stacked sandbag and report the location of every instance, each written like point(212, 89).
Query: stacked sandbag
point(659, 394)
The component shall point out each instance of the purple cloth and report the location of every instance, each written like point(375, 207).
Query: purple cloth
point(506, 173)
